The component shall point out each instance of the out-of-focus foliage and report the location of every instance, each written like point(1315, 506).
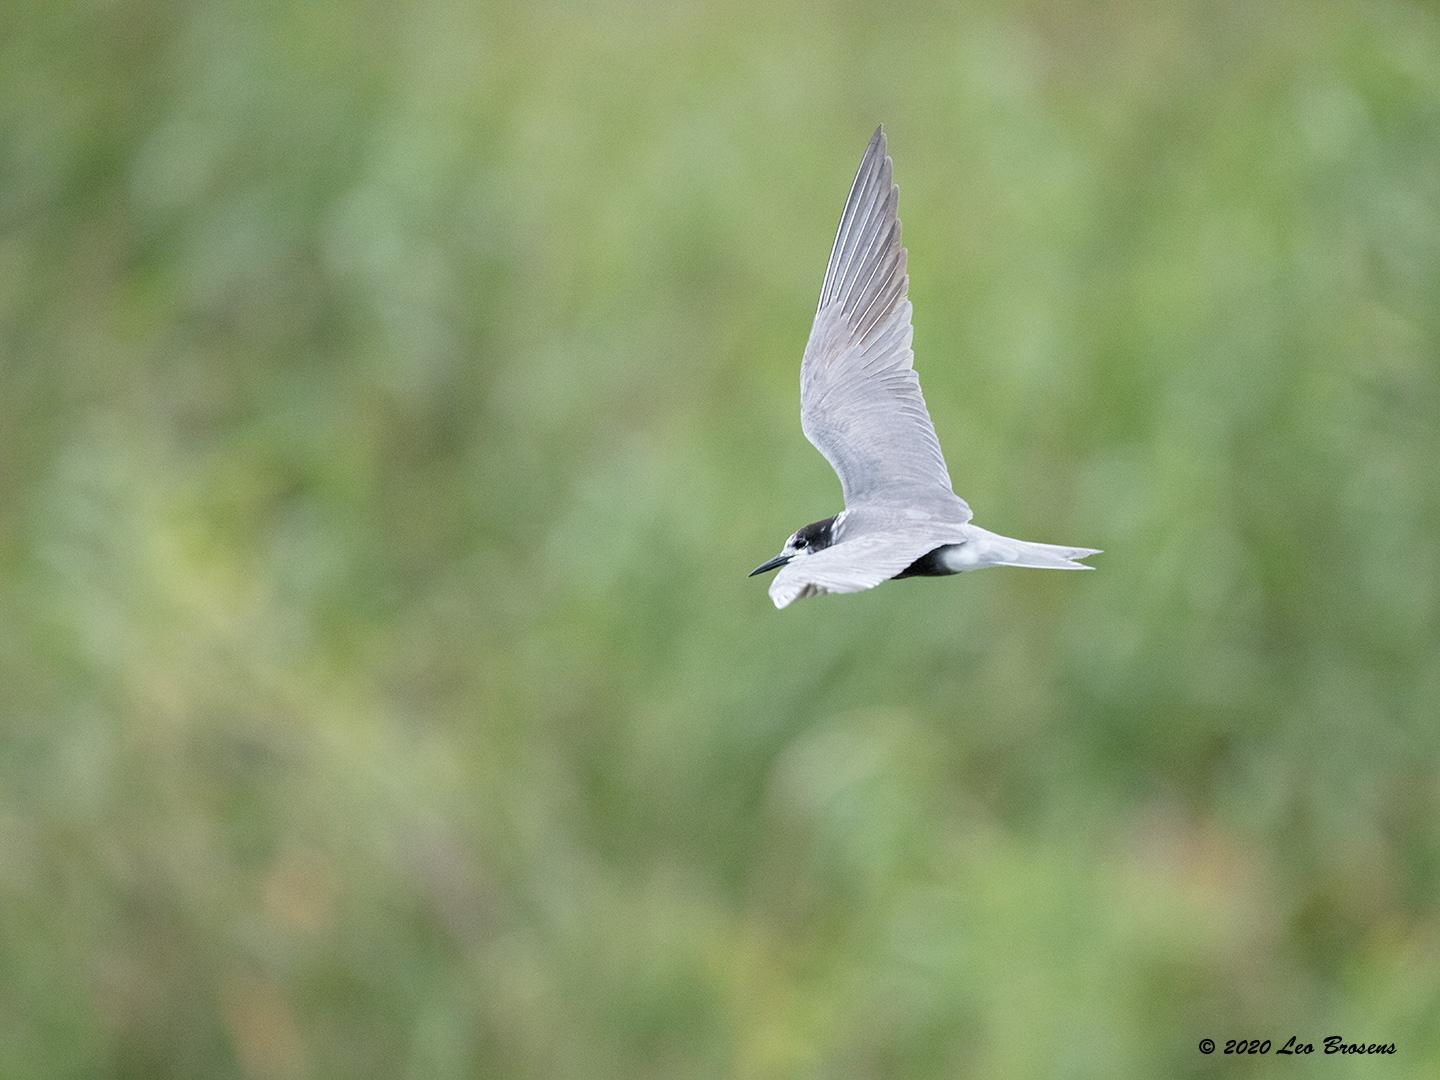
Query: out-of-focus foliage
point(395, 395)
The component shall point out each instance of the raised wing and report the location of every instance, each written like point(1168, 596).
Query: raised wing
point(862, 563)
point(860, 400)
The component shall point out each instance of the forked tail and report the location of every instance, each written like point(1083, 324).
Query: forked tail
point(997, 550)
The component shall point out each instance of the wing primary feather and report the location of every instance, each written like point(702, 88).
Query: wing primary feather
point(863, 179)
point(859, 282)
point(842, 231)
point(856, 216)
point(857, 252)
point(886, 291)
point(867, 181)
point(872, 251)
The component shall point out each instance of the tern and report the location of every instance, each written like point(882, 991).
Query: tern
point(861, 407)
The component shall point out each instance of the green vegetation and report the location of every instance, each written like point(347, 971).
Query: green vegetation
point(395, 396)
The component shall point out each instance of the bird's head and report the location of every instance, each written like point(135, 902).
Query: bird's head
point(816, 536)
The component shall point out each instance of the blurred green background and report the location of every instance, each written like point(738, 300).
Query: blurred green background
point(395, 396)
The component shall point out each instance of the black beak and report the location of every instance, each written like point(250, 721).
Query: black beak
point(777, 561)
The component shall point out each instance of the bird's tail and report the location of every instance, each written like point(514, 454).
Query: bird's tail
point(997, 550)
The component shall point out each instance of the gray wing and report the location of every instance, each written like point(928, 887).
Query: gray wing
point(860, 400)
point(862, 563)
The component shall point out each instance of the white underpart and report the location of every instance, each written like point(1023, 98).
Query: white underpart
point(960, 557)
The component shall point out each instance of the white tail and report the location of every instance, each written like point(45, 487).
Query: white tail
point(992, 549)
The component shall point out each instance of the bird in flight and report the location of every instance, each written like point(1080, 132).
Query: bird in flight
point(861, 406)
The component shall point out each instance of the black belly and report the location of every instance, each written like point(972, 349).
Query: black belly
point(928, 565)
